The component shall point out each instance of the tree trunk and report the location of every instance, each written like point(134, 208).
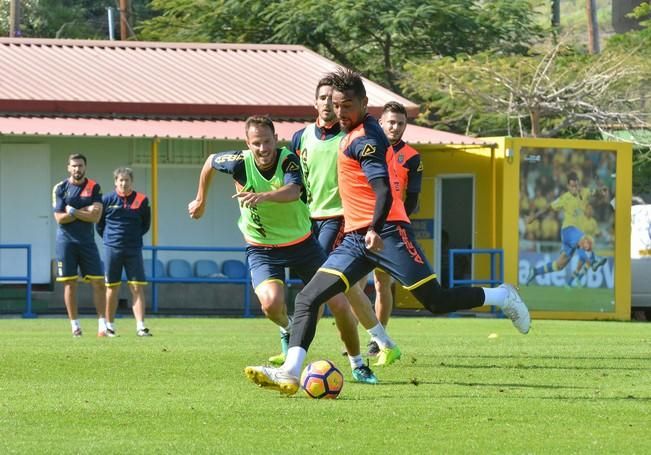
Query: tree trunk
point(593, 26)
point(124, 20)
point(556, 14)
point(535, 123)
point(14, 19)
point(620, 9)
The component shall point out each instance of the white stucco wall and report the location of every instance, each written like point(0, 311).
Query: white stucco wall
point(177, 186)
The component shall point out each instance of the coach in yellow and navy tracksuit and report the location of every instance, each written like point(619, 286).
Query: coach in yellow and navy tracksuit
point(77, 204)
point(125, 220)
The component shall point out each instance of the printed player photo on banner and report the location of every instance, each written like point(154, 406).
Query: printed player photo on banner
point(566, 229)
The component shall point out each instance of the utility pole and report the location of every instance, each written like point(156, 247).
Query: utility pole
point(111, 29)
point(593, 26)
point(124, 20)
point(14, 18)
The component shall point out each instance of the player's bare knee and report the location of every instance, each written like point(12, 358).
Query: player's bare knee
point(338, 305)
point(272, 306)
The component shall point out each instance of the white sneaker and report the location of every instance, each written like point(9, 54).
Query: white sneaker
point(273, 378)
point(515, 309)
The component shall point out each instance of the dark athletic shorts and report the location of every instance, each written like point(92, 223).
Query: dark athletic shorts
point(401, 257)
point(269, 263)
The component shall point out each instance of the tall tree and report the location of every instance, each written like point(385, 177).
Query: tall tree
point(622, 21)
point(376, 37)
point(66, 18)
point(556, 93)
point(593, 26)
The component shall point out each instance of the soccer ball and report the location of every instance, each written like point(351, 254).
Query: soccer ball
point(322, 379)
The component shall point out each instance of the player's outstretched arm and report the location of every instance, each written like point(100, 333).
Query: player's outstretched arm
point(286, 193)
point(197, 207)
point(537, 215)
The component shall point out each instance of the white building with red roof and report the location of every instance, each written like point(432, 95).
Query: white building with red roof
point(122, 103)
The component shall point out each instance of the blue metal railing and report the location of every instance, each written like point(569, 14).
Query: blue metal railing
point(160, 279)
point(493, 253)
point(28, 313)
point(493, 280)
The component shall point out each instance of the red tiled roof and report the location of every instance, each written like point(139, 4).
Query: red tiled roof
point(146, 78)
point(185, 129)
point(68, 83)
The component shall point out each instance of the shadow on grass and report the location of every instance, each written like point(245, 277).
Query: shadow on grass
point(550, 357)
point(418, 382)
point(416, 364)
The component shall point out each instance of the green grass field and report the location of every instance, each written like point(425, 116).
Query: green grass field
point(567, 387)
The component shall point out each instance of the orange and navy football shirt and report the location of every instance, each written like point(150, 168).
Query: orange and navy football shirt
point(362, 158)
point(408, 168)
point(78, 196)
point(125, 219)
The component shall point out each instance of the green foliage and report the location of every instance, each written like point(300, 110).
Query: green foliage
point(82, 19)
point(567, 387)
point(641, 172)
point(639, 40)
point(563, 93)
point(376, 37)
point(642, 11)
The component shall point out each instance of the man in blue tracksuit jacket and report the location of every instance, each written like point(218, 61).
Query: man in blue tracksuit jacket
point(125, 220)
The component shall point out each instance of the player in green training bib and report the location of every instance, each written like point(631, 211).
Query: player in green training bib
point(275, 222)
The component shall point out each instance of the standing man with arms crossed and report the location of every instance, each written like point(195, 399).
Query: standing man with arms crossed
point(409, 175)
point(276, 225)
point(125, 220)
point(377, 235)
point(318, 145)
point(77, 204)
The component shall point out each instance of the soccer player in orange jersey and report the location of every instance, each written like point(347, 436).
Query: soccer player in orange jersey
point(378, 234)
point(408, 175)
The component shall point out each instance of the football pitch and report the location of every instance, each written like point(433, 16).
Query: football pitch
point(567, 387)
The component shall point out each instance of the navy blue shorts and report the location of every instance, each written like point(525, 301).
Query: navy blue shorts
point(73, 258)
point(401, 257)
point(129, 259)
point(329, 232)
point(268, 263)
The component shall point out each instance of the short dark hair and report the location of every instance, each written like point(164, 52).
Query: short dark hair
point(323, 82)
point(259, 120)
point(395, 107)
point(344, 79)
point(77, 156)
point(572, 176)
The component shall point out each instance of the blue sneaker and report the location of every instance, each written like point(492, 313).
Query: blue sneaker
point(364, 375)
point(597, 265)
